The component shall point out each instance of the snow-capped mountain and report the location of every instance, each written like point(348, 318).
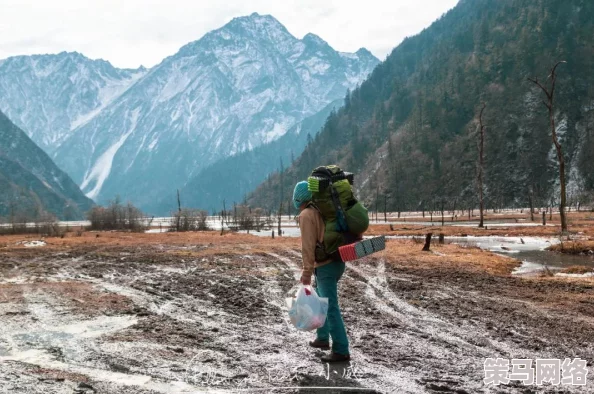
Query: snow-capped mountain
point(48, 96)
point(237, 87)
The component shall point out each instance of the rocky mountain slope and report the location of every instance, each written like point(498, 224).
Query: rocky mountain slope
point(410, 130)
point(233, 178)
point(30, 183)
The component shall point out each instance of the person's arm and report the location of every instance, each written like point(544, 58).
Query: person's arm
point(309, 239)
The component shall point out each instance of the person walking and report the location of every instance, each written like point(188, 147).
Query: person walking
point(327, 274)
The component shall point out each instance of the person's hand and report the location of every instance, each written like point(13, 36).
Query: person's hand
point(305, 280)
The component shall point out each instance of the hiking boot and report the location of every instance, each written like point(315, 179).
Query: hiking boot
point(336, 358)
point(318, 344)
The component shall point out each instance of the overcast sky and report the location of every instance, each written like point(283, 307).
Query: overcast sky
point(130, 33)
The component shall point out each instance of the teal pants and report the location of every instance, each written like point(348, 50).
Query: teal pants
point(327, 277)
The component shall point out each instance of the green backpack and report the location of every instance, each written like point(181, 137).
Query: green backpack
point(346, 219)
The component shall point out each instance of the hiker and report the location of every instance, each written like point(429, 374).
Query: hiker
point(327, 273)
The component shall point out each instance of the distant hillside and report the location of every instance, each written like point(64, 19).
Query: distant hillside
point(409, 131)
point(30, 183)
point(233, 178)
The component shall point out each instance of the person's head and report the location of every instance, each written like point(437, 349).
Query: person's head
point(301, 195)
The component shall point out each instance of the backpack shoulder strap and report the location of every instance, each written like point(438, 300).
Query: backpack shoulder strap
point(312, 205)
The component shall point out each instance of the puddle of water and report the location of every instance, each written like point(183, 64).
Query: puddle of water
point(556, 260)
point(586, 275)
point(528, 268)
point(530, 250)
point(288, 231)
point(32, 244)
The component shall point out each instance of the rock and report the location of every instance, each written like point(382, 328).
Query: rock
point(85, 386)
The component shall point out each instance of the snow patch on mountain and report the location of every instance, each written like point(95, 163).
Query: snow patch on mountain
point(102, 167)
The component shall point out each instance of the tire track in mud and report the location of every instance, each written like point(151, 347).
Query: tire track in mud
point(380, 377)
point(407, 314)
point(273, 356)
point(227, 328)
point(290, 264)
point(411, 315)
point(369, 374)
point(440, 347)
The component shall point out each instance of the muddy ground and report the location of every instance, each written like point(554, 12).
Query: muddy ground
point(177, 313)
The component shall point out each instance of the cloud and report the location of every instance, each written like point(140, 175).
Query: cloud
point(134, 32)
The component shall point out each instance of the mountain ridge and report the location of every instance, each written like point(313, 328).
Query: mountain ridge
point(227, 92)
point(49, 96)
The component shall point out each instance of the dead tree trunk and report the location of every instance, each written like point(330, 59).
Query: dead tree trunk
point(178, 223)
point(550, 94)
point(531, 206)
point(481, 165)
point(427, 246)
point(376, 203)
point(454, 207)
point(280, 215)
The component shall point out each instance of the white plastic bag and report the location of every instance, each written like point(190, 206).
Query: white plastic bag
point(307, 311)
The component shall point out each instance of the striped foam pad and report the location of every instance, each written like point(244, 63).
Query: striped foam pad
point(313, 184)
point(362, 248)
point(378, 243)
point(347, 252)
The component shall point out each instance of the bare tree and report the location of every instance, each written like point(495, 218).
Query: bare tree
point(252, 219)
point(531, 202)
point(188, 219)
point(481, 164)
point(179, 212)
point(280, 215)
point(118, 217)
point(549, 103)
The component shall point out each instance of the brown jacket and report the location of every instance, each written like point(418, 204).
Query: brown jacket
point(312, 229)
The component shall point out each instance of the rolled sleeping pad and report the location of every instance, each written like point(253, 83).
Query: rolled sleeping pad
point(363, 248)
point(347, 252)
